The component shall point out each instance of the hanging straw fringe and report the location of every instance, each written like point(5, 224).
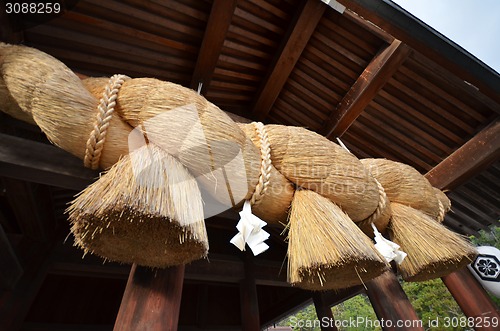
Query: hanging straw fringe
point(265, 168)
point(106, 107)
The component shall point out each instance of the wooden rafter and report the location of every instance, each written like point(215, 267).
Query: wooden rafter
point(426, 41)
point(381, 68)
point(471, 158)
point(215, 34)
point(300, 33)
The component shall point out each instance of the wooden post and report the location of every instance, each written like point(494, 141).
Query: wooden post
point(324, 313)
point(472, 299)
point(152, 300)
point(250, 318)
point(391, 304)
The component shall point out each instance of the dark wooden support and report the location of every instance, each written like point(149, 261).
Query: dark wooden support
point(152, 300)
point(324, 312)
point(11, 269)
point(298, 36)
point(472, 299)
point(10, 31)
point(250, 318)
point(391, 304)
point(32, 207)
point(381, 68)
point(470, 159)
point(463, 164)
point(41, 163)
point(16, 302)
point(211, 47)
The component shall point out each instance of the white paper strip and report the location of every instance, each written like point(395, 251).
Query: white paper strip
point(389, 250)
point(250, 231)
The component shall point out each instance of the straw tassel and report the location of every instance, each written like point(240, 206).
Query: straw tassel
point(326, 250)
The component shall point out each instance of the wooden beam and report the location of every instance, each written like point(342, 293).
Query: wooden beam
point(472, 299)
point(41, 163)
point(299, 34)
point(16, 302)
point(152, 300)
point(391, 304)
point(419, 36)
point(211, 47)
point(249, 303)
point(381, 68)
point(470, 159)
point(32, 207)
point(11, 270)
point(324, 312)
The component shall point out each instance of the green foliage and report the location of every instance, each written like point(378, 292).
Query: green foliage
point(432, 301)
point(487, 238)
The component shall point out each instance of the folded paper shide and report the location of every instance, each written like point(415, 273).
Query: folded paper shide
point(250, 231)
point(172, 159)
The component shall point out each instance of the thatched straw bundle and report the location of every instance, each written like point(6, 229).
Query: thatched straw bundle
point(146, 209)
point(47, 91)
point(316, 163)
point(195, 131)
point(326, 250)
point(380, 218)
point(433, 250)
point(274, 204)
point(404, 184)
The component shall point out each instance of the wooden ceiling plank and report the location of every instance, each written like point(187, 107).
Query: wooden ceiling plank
point(298, 37)
point(457, 197)
point(471, 158)
point(377, 73)
point(407, 124)
point(399, 136)
point(369, 26)
point(426, 41)
point(10, 31)
point(467, 215)
point(218, 24)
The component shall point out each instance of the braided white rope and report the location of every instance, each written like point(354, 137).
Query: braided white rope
point(105, 109)
point(265, 165)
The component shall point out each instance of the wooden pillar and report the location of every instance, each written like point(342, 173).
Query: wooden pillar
point(472, 299)
point(391, 304)
point(152, 300)
point(324, 313)
point(249, 303)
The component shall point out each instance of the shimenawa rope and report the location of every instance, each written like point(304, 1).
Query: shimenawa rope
point(106, 107)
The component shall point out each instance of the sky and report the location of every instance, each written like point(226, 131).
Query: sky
point(473, 24)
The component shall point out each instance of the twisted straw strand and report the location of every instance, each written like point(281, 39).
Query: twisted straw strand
point(105, 109)
point(265, 166)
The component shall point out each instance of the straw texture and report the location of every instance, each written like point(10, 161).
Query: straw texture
point(196, 132)
point(273, 206)
point(146, 209)
point(433, 250)
point(316, 163)
point(326, 249)
point(444, 204)
point(404, 184)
